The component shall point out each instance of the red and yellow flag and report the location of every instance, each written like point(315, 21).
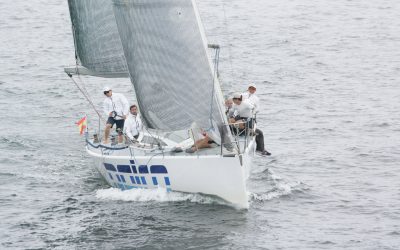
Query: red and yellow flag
point(82, 124)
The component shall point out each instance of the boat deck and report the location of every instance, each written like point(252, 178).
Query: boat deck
point(139, 149)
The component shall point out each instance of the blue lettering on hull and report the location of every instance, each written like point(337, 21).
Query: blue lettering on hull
point(137, 175)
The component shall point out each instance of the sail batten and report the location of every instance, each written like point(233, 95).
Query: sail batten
point(166, 54)
point(97, 43)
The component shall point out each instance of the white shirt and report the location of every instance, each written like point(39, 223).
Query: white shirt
point(118, 103)
point(133, 126)
point(253, 99)
point(230, 112)
point(245, 109)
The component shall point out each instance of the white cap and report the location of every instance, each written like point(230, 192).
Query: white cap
point(106, 88)
point(236, 95)
point(253, 85)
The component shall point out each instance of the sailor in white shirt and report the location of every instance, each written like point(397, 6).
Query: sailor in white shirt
point(243, 110)
point(251, 96)
point(133, 124)
point(116, 107)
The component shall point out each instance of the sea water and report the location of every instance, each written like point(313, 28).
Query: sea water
point(327, 74)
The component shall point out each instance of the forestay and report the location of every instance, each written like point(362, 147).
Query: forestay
point(97, 43)
point(165, 49)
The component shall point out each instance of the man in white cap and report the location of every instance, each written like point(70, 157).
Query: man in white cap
point(116, 107)
point(250, 95)
point(244, 111)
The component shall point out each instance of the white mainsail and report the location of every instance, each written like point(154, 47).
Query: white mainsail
point(97, 43)
point(166, 53)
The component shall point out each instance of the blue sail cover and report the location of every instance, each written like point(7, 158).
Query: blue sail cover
point(97, 43)
point(166, 53)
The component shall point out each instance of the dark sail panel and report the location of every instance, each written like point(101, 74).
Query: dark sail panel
point(96, 38)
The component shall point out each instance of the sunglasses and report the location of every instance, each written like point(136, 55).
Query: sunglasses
point(106, 92)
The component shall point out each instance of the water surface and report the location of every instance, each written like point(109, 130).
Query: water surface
point(327, 75)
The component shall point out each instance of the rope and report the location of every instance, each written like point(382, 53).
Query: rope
point(85, 94)
point(83, 88)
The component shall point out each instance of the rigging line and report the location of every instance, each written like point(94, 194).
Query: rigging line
point(86, 96)
point(157, 140)
point(77, 59)
point(151, 135)
point(83, 90)
point(83, 86)
point(151, 158)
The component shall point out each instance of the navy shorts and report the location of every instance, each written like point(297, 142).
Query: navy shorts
point(120, 123)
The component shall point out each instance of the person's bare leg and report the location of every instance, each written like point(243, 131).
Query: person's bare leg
point(203, 143)
point(107, 133)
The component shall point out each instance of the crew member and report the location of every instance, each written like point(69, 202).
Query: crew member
point(133, 124)
point(116, 107)
point(251, 96)
point(244, 110)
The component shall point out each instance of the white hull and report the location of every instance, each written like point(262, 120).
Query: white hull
point(222, 176)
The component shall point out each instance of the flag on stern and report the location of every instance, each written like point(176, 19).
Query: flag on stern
point(82, 124)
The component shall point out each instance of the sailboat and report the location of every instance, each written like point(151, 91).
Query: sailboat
point(161, 46)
